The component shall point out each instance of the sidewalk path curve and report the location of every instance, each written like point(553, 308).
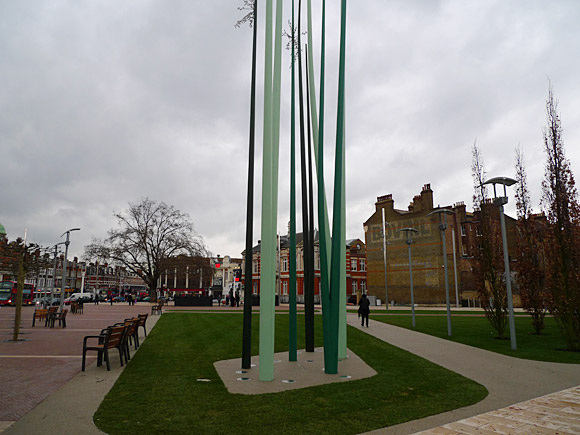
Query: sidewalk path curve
point(508, 380)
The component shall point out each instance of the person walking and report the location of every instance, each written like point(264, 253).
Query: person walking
point(364, 309)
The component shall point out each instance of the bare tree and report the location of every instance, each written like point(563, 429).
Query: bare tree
point(23, 260)
point(560, 200)
point(248, 5)
point(478, 174)
point(488, 268)
point(530, 264)
point(149, 233)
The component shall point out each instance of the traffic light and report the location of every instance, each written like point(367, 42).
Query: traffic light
point(237, 275)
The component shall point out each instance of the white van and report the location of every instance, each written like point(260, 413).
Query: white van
point(75, 297)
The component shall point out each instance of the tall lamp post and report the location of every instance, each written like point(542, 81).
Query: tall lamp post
point(54, 272)
point(500, 201)
point(443, 212)
point(385, 223)
point(63, 284)
point(408, 233)
point(455, 267)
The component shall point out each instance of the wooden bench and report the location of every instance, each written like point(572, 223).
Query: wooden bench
point(40, 314)
point(51, 312)
point(142, 319)
point(110, 338)
point(157, 309)
point(61, 317)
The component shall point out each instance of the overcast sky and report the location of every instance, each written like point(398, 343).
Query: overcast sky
point(104, 103)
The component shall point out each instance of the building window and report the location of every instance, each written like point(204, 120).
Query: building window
point(353, 287)
point(353, 265)
point(363, 265)
point(255, 288)
point(478, 230)
point(363, 286)
point(284, 264)
point(285, 287)
point(463, 229)
point(464, 248)
point(255, 267)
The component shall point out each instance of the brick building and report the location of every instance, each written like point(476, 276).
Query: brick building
point(355, 268)
point(427, 250)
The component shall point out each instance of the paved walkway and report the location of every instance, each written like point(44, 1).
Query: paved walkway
point(555, 414)
point(508, 380)
point(39, 389)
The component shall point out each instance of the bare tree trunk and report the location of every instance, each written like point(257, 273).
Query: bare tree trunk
point(18, 311)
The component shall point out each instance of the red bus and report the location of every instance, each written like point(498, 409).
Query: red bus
point(8, 290)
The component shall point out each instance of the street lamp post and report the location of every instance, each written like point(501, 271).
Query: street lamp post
point(54, 272)
point(443, 212)
point(63, 284)
point(455, 267)
point(385, 223)
point(408, 233)
point(500, 201)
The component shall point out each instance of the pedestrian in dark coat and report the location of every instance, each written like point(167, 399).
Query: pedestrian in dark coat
point(364, 309)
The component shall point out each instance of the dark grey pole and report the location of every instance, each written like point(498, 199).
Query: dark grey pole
point(443, 227)
point(500, 202)
point(508, 280)
point(63, 283)
point(408, 233)
point(385, 223)
point(442, 212)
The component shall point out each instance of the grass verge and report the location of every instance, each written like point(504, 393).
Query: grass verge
point(158, 391)
point(477, 332)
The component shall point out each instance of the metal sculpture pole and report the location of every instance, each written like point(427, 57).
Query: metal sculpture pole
point(342, 295)
point(310, 251)
point(408, 233)
point(318, 129)
point(337, 215)
point(292, 323)
point(308, 309)
point(269, 193)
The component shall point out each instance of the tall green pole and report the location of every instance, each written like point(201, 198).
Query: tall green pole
point(277, 88)
point(324, 236)
point(268, 245)
point(318, 133)
point(308, 309)
point(292, 327)
point(337, 215)
point(342, 298)
point(310, 251)
point(247, 334)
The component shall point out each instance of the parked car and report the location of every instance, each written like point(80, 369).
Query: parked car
point(76, 297)
point(119, 299)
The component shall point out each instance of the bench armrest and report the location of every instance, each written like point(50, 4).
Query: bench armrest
point(89, 336)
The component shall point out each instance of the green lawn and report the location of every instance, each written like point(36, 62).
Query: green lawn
point(158, 392)
point(476, 331)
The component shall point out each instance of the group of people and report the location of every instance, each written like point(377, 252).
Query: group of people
point(233, 298)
